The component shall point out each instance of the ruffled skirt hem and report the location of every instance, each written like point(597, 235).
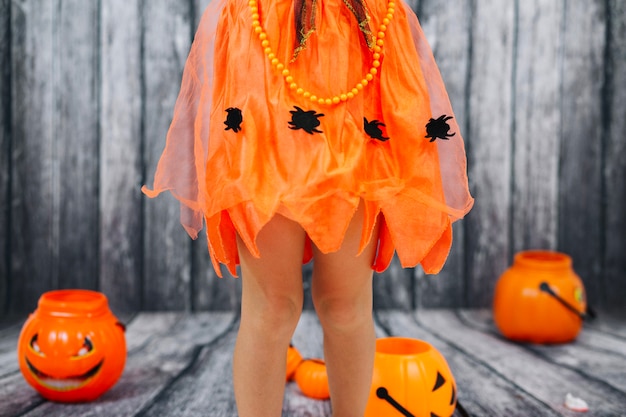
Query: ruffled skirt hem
point(277, 152)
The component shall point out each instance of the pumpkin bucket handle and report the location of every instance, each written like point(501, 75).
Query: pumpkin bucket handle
point(383, 394)
point(584, 315)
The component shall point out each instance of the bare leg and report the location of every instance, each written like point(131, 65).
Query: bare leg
point(270, 309)
point(342, 294)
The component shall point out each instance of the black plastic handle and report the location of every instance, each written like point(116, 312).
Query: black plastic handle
point(584, 315)
point(383, 394)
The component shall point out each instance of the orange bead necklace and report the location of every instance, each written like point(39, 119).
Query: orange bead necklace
point(289, 80)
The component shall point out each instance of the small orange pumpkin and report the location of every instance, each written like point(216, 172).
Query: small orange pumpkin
point(294, 359)
point(411, 378)
point(312, 378)
point(72, 348)
point(539, 299)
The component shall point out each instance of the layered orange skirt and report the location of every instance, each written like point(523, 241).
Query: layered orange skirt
point(248, 141)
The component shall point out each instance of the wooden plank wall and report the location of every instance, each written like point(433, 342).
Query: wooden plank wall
point(5, 148)
point(86, 95)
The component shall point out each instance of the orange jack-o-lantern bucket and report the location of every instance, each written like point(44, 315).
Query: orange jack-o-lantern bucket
point(540, 299)
point(411, 378)
point(72, 348)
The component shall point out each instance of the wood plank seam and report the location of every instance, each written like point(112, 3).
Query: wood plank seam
point(609, 333)
point(557, 379)
point(194, 358)
point(6, 107)
point(32, 407)
point(9, 374)
point(541, 355)
point(507, 396)
point(587, 327)
point(150, 339)
point(480, 362)
point(587, 375)
point(197, 350)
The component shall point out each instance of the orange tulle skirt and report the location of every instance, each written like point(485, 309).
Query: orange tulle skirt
point(244, 144)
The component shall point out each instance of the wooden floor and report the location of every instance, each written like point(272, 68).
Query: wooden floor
point(179, 365)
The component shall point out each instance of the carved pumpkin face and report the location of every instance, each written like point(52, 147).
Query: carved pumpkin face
point(72, 348)
point(411, 378)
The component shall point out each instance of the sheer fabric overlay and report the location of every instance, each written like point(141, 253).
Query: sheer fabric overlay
point(234, 178)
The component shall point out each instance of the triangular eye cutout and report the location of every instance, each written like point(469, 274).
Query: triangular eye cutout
point(440, 381)
point(453, 398)
point(433, 415)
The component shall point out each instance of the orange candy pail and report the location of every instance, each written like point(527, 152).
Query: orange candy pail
point(539, 299)
point(410, 378)
point(72, 348)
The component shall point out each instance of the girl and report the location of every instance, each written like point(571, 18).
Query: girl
point(313, 129)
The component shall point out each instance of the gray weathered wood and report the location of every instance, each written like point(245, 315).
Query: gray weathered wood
point(307, 282)
point(35, 202)
point(8, 344)
point(589, 361)
point(532, 374)
point(180, 264)
point(167, 39)
point(210, 291)
point(148, 326)
point(17, 396)
point(610, 323)
point(308, 339)
point(151, 367)
point(489, 146)
point(77, 144)
point(606, 332)
point(198, 8)
point(615, 157)
point(121, 156)
point(179, 364)
point(56, 172)
point(475, 379)
point(160, 347)
point(205, 388)
point(394, 287)
point(537, 82)
point(5, 151)
point(580, 202)
point(592, 354)
point(447, 28)
point(602, 342)
point(538, 87)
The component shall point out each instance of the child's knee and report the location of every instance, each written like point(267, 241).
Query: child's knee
point(342, 312)
point(276, 313)
point(285, 308)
